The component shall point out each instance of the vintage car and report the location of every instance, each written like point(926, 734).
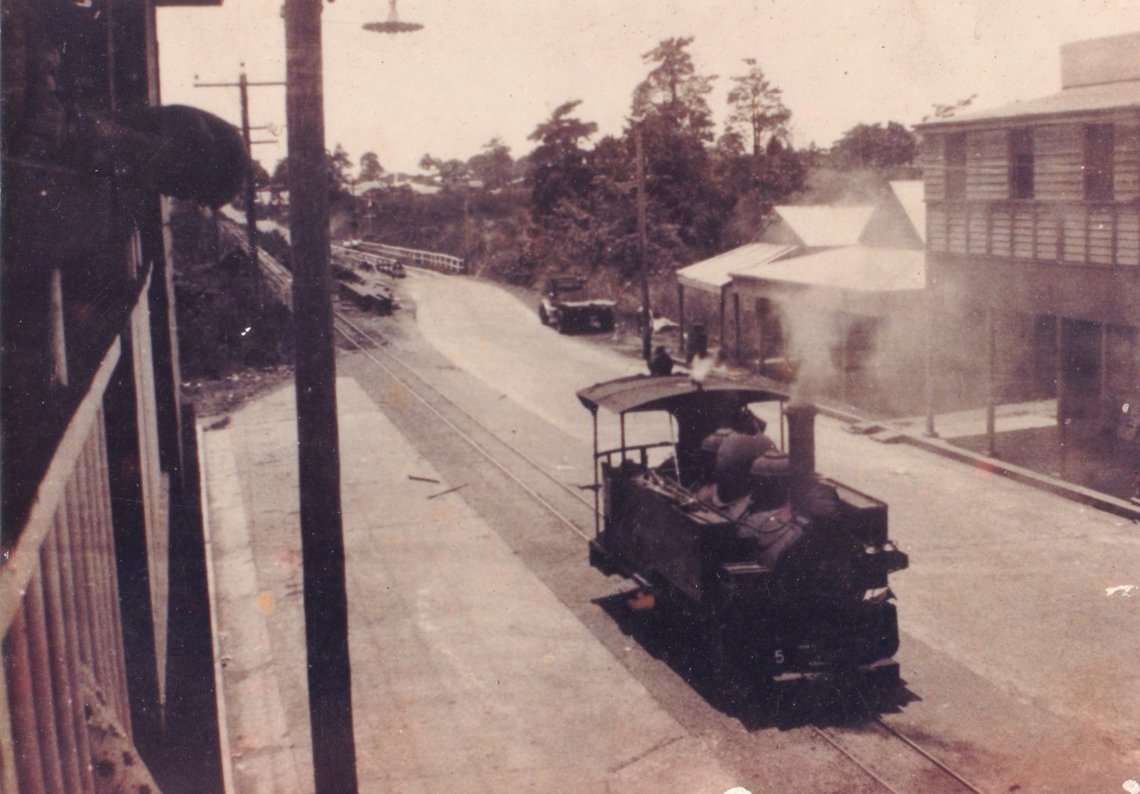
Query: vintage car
point(785, 570)
point(566, 308)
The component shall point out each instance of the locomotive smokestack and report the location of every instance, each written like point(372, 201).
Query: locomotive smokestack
point(801, 445)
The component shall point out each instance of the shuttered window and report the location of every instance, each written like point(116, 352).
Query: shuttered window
point(955, 158)
point(1098, 162)
point(1021, 164)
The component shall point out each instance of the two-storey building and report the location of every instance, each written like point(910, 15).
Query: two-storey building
point(1033, 244)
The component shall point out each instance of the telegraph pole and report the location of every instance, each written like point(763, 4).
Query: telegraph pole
point(243, 85)
point(318, 444)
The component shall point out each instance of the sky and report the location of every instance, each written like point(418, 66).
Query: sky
point(498, 68)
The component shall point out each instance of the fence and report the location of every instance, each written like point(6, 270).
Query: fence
point(444, 263)
point(59, 606)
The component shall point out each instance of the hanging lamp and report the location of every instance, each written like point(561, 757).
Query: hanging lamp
point(392, 24)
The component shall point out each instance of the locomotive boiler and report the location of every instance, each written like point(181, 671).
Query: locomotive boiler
point(785, 570)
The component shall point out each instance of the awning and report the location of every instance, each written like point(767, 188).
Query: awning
point(713, 275)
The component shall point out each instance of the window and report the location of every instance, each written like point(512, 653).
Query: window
point(1021, 164)
point(955, 156)
point(1098, 162)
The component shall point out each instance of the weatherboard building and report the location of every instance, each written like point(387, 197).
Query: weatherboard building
point(1033, 247)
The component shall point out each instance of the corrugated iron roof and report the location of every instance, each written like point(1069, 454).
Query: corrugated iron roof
point(855, 268)
point(825, 226)
point(910, 196)
point(1106, 96)
point(714, 274)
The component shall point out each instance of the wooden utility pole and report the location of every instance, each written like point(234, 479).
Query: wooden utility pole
point(243, 84)
point(642, 245)
point(318, 447)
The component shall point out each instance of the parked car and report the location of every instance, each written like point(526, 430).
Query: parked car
point(566, 307)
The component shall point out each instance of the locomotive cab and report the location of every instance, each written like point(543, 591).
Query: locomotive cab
point(787, 570)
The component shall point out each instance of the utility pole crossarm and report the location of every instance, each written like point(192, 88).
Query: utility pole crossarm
point(243, 85)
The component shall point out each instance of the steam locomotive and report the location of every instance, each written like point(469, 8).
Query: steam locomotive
point(785, 571)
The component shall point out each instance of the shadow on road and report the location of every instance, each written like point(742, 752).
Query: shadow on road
point(745, 692)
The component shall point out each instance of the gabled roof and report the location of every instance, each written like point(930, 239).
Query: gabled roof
point(714, 274)
point(910, 196)
point(825, 226)
point(854, 268)
point(1081, 99)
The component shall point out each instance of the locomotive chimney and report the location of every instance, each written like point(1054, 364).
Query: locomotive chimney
point(801, 445)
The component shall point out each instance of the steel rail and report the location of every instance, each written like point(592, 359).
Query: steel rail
point(467, 437)
point(926, 754)
point(344, 322)
point(853, 759)
point(827, 736)
point(486, 453)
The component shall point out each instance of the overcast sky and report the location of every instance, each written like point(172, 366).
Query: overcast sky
point(497, 68)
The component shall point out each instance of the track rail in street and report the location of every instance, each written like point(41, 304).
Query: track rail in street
point(920, 762)
point(928, 765)
point(409, 378)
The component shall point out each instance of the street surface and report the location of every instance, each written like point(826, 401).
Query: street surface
point(1019, 633)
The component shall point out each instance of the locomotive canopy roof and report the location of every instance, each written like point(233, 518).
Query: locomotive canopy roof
point(670, 393)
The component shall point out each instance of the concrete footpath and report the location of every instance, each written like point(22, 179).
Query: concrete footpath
point(468, 674)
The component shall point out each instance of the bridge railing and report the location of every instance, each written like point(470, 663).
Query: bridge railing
point(445, 263)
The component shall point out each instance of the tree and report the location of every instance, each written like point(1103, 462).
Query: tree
point(674, 90)
point(493, 165)
point(757, 106)
point(370, 168)
point(260, 175)
point(281, 173)
point(451, 174)
point(873, 146)
point(558, 165)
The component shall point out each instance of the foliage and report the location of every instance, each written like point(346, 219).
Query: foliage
point(260, 175)
point(875, 146)
point(572, 202)
point(370, 168)
point(558, 166)
point(757, 106)
point(225, 327)
point(451, 174)
point(674, 90)
point(493, 166)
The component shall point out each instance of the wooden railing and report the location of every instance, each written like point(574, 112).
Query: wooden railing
point(1065, 232)
point(442, 262)
point(59, 607)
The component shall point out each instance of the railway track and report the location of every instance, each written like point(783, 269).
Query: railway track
point(912, 767)
point(909, 767)
point(919, 770)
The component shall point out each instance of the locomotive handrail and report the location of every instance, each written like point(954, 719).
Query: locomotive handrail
point(609, 453)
